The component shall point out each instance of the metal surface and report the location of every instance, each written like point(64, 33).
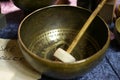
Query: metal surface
point(45, 29)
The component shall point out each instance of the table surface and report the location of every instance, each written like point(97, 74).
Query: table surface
point(108, 69)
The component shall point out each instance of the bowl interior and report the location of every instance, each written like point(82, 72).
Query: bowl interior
point(46, 29)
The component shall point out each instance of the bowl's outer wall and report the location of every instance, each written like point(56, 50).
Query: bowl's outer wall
point(31, 5)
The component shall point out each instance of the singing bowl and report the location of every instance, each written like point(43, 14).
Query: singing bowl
point(30, 5)
point(117, 30)
point(46, 29)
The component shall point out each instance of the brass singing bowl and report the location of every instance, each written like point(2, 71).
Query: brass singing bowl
point(117, 30)
point(31, 5)
point(46, 29)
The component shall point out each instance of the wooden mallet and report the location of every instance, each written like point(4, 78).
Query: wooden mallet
point(64, 56)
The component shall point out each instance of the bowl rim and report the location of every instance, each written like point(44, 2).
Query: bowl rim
point(56, 62)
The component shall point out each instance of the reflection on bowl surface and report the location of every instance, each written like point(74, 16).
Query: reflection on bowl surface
point(44, 30)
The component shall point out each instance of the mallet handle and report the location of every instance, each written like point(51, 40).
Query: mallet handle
point(85, 26)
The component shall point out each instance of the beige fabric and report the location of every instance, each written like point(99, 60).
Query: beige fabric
point(12, 64)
